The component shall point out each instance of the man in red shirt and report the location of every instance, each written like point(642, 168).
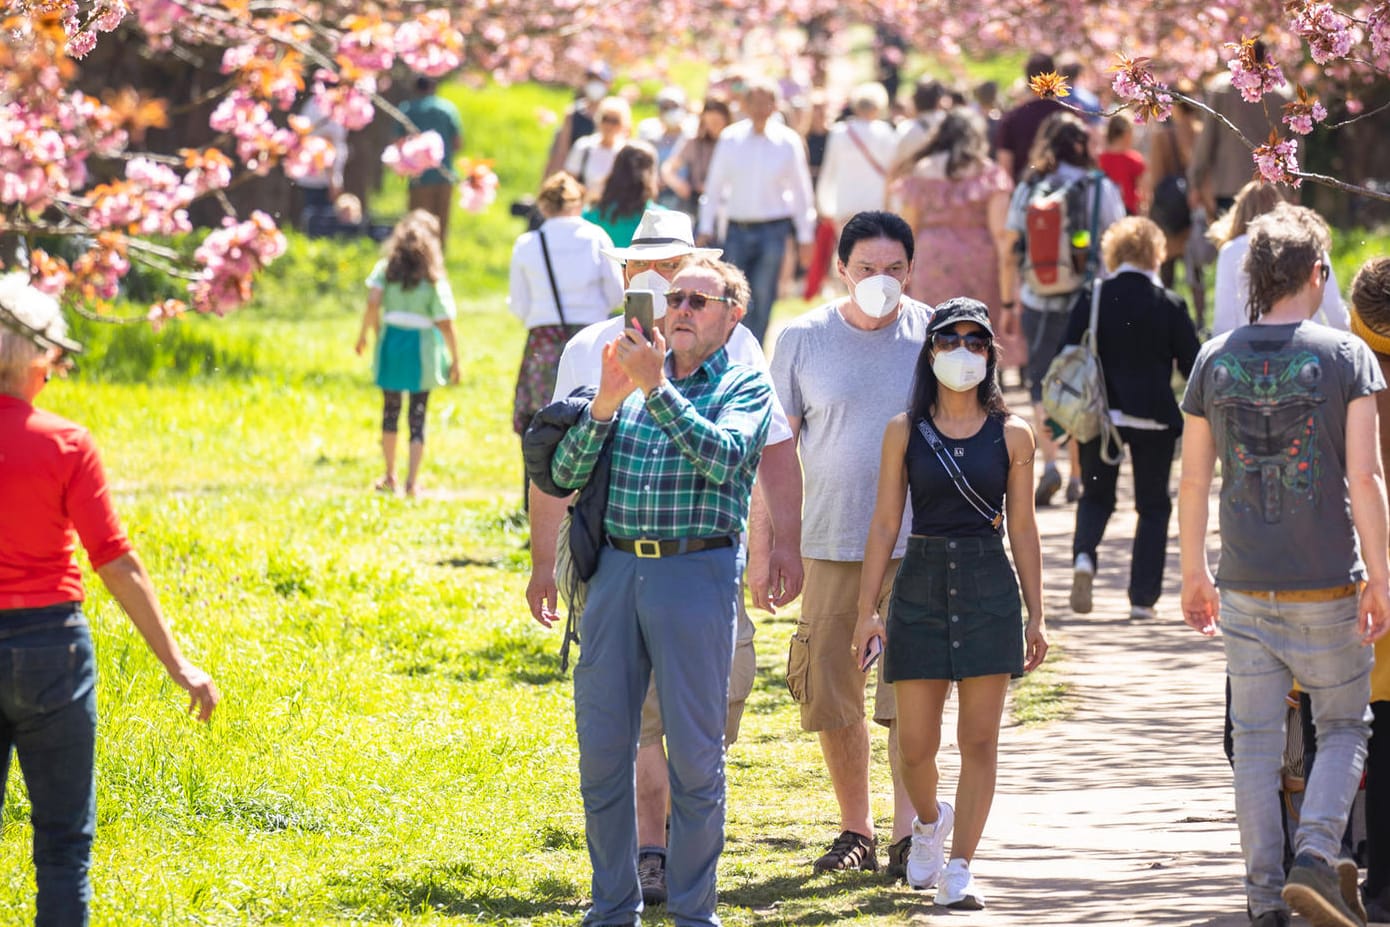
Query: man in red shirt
point(52, 494)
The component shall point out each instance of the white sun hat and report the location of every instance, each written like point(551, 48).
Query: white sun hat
point(661, 235)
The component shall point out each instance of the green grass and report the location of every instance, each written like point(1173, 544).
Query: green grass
point(1044, 695)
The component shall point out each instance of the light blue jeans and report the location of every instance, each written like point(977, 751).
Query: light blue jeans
point(672, 618)
point(1269, 644)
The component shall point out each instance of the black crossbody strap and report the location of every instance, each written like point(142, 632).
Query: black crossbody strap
point(550, 272)
point(977, 502)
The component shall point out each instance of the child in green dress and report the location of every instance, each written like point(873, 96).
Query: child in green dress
point(411, 309)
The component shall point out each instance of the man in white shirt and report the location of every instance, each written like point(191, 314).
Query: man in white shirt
point(661, 247)
point(858, 155)
point(759, 175)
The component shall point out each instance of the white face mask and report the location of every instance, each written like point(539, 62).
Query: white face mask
point(878, 296)
point(595, 90)
point(651, 280)
point(673, 118)
point(959, 370)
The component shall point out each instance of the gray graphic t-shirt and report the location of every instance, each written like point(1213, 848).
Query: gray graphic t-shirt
point(1276, 399)
point(845, 384)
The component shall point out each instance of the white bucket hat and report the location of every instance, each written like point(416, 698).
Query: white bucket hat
point(661, 235)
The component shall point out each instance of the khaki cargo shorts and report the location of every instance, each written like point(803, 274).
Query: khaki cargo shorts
point(741, 674)
point(822, 675)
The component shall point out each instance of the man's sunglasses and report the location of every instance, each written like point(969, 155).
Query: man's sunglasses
point(676, 298)
point(949, 341)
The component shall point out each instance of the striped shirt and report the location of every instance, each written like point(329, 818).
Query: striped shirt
point(684, 458)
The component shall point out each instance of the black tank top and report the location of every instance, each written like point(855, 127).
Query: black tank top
point(938, 508)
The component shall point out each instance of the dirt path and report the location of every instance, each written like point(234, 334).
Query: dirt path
point(1122, 814)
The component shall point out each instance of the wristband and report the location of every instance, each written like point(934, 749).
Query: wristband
point(1009, 304)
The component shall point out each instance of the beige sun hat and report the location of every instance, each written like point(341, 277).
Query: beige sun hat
point(662, 234)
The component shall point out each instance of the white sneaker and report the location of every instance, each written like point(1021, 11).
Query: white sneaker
point(1142, 613)
point(958, 888)
point(928, 854)
point(1083, 574)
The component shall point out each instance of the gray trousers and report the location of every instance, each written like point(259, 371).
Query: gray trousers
point(672, 618)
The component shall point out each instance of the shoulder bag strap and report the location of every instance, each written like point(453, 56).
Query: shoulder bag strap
point(977, 502)
point(550, 272)
point(864, 149)
point(1109, 433)
point(1093, 249)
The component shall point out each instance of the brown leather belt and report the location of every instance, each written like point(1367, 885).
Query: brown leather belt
point(648, 548)
point(1329, 594)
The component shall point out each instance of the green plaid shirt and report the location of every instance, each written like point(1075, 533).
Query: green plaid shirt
point(683, 459)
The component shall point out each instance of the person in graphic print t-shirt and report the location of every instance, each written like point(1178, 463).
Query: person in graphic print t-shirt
point(1288, 407)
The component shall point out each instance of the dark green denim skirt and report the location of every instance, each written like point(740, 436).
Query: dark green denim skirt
point(955, 611)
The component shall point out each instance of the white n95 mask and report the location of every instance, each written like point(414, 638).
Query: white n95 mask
point(651, 280)
point(959, 370)
point(878, 296)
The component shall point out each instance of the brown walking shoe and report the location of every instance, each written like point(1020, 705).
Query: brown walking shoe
point(1314, 890)
point(897, 859)
point(849, 851)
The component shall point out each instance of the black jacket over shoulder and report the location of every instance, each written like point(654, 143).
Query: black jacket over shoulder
point(538, 446)
point(1142, 329)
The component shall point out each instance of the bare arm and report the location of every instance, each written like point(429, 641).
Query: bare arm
point(371, 319)
point(1366, 486)
point(130, 585)
point(1005, 159)
point(671, 171)
point(544, 513)
point(883, 530)
point(1201, 606)
point(446, 328)
point(775, 573)
point(1004, 241)
point(559, 146)
point(1024, 542)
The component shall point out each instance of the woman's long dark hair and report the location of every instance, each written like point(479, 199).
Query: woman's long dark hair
point(1061, 139)
point(962, 137)
point(631, 184)
point(925, 386)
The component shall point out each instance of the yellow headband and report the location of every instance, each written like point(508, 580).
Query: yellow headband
point(1378, 342)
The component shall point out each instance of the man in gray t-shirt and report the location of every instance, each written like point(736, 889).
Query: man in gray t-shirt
point(1288, 407)
point(841, 372)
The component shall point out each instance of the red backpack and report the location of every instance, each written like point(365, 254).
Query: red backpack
point(1061, 246)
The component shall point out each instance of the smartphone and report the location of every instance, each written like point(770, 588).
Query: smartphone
point(872, 651)
point(639, 307)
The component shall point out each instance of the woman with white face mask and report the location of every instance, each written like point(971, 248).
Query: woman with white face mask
point(956, 613)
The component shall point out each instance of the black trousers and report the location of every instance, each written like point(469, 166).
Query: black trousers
point(1151, 458)
point(1378, 805)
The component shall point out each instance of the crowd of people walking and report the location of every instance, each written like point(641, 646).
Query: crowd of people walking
point(872, 468)
point(968, 245)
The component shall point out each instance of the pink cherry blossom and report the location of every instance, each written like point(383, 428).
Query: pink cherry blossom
point(108, 15)
point(1278, 162)
point(230, 256)
point(429, 44)
point(1329, 33)
point(81, 44)
point(349, 105)
point(1253, 78)
point(414, 154)
point(478, 190)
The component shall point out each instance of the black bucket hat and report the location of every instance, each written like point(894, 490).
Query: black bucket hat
point(960, 309)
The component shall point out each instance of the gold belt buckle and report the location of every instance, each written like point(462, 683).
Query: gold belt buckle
point(647, 548)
